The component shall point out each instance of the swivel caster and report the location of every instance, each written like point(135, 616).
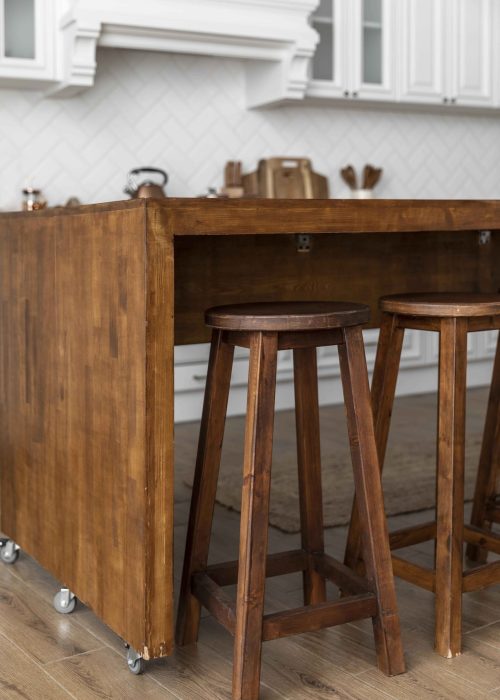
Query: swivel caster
point(135, 662)
point(9, 551)
point(64, 601)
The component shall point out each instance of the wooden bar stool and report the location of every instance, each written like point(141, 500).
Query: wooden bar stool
point(486, 506)
point(265, 329)
point(452, 316)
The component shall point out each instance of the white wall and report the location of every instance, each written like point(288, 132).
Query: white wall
point(186, 114)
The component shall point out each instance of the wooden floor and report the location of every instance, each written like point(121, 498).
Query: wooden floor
point(47, 656)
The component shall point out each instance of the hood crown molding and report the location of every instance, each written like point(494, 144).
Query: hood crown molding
point(273, 36)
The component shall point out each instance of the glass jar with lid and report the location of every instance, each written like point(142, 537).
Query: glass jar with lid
point(33, 199)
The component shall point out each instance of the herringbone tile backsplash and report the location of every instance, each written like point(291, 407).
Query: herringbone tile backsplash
point(187, 115)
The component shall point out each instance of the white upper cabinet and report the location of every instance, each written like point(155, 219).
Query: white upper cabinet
point(436, 52)
point(26, 42)
point(447, 51)
point(354, 56)
point(422, 47)
point(372, 53)
point(472, 53)
point(329, 63)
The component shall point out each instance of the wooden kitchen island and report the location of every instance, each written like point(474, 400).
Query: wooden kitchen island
point(92, 301)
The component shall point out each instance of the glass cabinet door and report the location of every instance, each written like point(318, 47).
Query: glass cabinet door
point(323, 67)
point(17, 23)
point(372, 28)
point(27, 42)
point(373, 48)
point(353, 57)
point(328, 65)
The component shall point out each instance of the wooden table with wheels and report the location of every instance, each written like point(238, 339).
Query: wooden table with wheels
point(93, 299)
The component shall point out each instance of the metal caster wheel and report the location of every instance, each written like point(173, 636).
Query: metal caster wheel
point(9, 551)
point(135, 662)
point(64, 601)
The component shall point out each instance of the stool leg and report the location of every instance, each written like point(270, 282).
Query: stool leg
point(254, 516)
point(375, 540)
point(450, 485)
point(205, 484)
point(309, 467)
point(489, 463)
point(385, 375)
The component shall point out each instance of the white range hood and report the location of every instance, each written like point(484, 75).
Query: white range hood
point(273, 36)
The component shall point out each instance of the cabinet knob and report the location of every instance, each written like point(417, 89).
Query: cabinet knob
point(355, 94)
point(346, 93)
point(445, 100)
point(453, 100)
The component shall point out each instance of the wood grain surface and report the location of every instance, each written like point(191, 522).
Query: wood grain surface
point(86, 356)
point(85, 441)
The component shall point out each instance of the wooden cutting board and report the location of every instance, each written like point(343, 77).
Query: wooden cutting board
point(286, 178)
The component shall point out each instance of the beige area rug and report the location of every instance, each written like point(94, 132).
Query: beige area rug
point(409, 472)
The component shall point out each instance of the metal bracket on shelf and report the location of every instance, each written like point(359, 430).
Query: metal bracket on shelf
point(484, 237)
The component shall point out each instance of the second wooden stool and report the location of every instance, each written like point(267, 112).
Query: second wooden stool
point(265, 329)
point(452, 316)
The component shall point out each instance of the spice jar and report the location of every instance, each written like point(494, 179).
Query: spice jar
point(33, 199)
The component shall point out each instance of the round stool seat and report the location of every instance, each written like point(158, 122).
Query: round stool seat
point(442, 304)
point(287, 316)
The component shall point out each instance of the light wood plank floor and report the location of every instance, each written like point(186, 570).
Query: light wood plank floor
point(44, 655)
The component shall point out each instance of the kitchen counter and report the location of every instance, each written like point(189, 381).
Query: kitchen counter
point(92, 299)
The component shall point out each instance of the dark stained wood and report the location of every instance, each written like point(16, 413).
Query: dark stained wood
point(86, 309)
point(412, 535)
point(481, 577)
point(205, 484)
point(373, 596)
point(446, 313)
point(341, 575)
point(414, 573)
point(444, 304)
point(278, 564)
point(312, 618)
point(254, 516)
point(385, 374)
point(86, 451)
point(450, 485)
point(290, 340)
point(369, 500)
point(215, 600)
point(489, 464)
point(287, 316)
point(490, 541)
point(305, 372)
point(159, 406)
point(220, 270)
point(223, 217)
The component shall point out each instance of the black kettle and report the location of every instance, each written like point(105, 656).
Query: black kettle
point(147, 188)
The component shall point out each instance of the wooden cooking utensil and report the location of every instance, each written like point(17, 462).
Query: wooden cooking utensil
point(371, 176)
point(349, 176)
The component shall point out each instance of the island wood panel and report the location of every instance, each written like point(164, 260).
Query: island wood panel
point(259, 216)
point(86, 357)
point(86, 419)
point(213, 270)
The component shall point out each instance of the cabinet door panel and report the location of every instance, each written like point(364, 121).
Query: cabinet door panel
point(472, 51)
point(27, 38)
point(329, 63)
point(372, 53)
point(19, 28)
point(422, 50)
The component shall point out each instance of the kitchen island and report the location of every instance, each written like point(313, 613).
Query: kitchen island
point(92, 301)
